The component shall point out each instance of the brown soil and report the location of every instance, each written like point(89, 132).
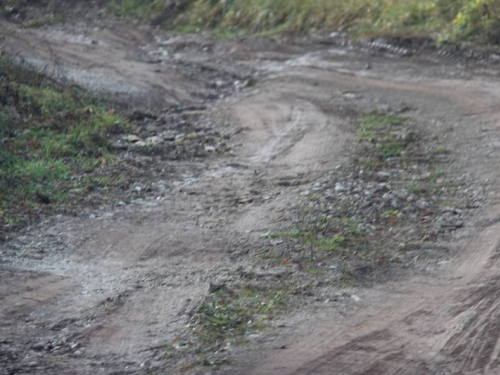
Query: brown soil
point(105, 291)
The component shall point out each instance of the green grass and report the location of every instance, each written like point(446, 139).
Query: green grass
point(380, 121)
point(443, 151)
point(379, 130)
point(228, 316)
point(442, 20)
point(137, 8)
point(415, 188)
point(48, 134)
point(339, 235)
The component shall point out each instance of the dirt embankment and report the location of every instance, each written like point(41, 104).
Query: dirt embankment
point(113, 289)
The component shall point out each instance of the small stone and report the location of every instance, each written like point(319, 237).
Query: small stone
point(119, 145)
point(383, 176)
point(152, 129)
point(422, 204)
point(339, 188)
point(356, 298)
point(389, 197)
point(169, 136)
point(154, 141)
point(74, 346)
point(409, 209)
point(38, 346)
point(411, 198)
point(379, 188)
point(132, 138)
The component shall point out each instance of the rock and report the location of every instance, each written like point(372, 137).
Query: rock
point(154, 141)
point(367, 202)
point(220, 83)
point(339, 188)
point(355, 298)
point(384, 108)
point(43, 198)
point(152, 128)
point(169, 136)
point(39, 346)
point(411, 198)
point(422, 204)
point(380, 188)
point(452, 210)
point(214, 288)
point(409, 209)
point(395, 204)
point(389, 197)
point(132, 138)
point(119, 145)
point(383, 176)
point(138, 115)
point(450, 220)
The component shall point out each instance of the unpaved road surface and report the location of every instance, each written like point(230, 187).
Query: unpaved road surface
point(103, 292)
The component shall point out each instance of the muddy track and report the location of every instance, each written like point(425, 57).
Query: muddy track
point(102, 293)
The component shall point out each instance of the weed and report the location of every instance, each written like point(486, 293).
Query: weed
point(443, 151)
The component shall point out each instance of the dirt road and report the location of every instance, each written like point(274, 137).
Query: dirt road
point(103, 292)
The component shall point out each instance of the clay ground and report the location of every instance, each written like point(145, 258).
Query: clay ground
point(105, 291)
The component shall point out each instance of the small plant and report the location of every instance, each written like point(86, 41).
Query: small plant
point(443, 151)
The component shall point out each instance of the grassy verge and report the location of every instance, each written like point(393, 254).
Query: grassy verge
point(51, 139)
point(442, 20)
point(461, 20)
